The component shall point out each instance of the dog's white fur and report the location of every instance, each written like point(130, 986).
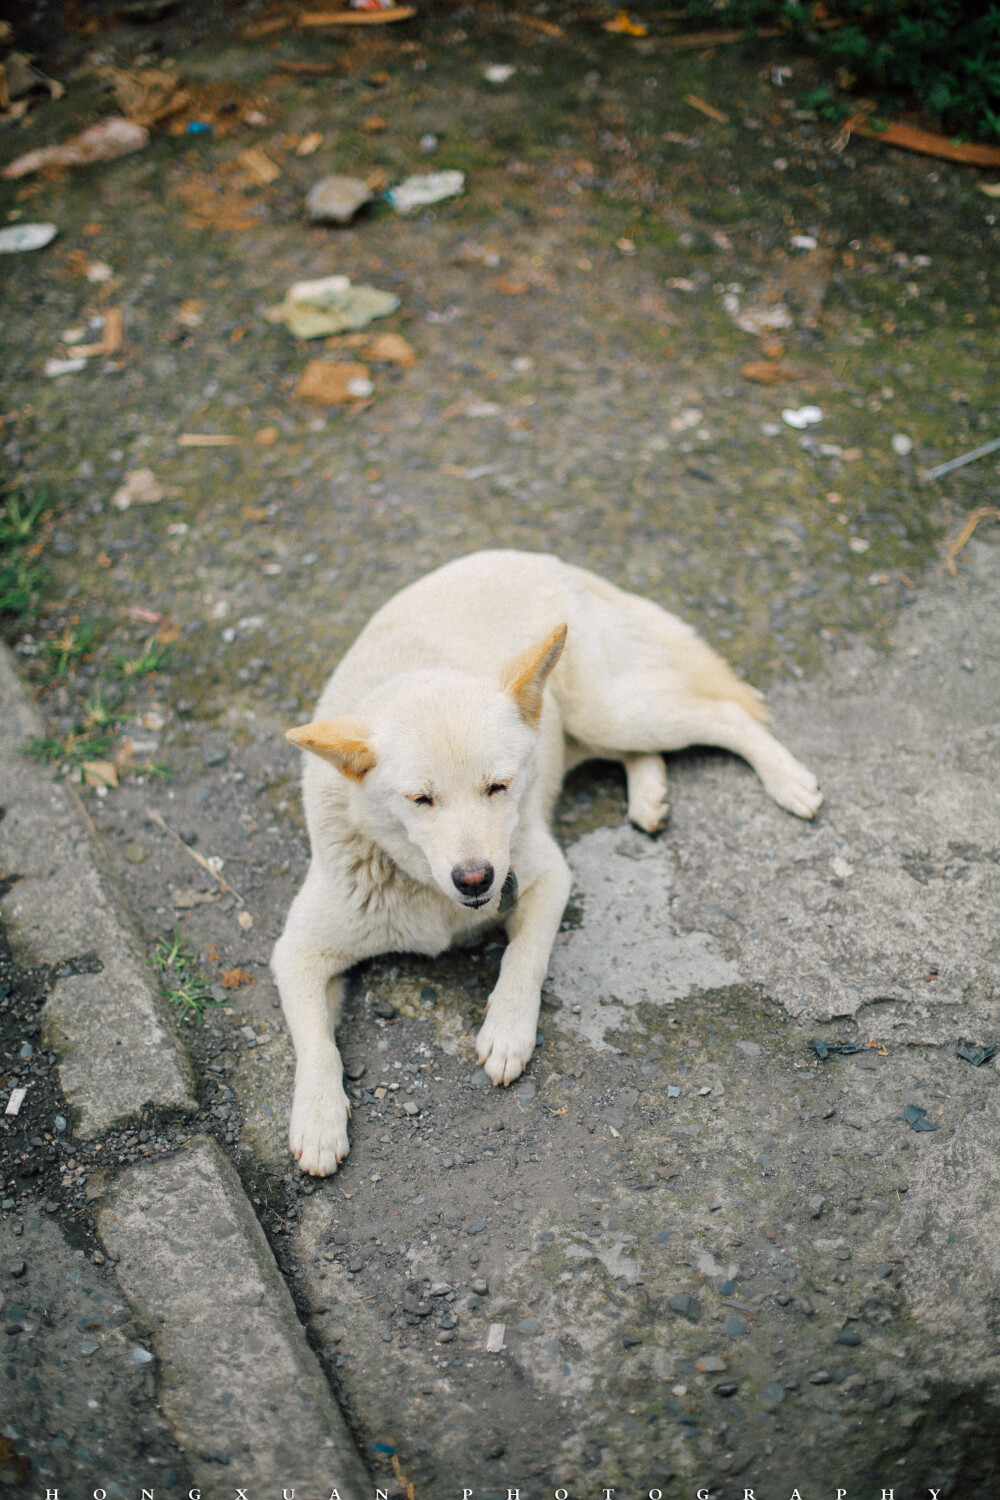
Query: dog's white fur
point(442, 738)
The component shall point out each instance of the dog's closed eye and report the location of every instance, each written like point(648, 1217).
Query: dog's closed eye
point(495, 787)
point(421, 799)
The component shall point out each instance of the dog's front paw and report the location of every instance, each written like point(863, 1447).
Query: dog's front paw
point(317, 1133)
point(504, 1048)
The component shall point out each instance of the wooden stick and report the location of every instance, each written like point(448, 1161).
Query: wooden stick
point(155, 817)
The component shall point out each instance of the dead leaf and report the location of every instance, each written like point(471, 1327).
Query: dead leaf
point(309, 143)
point(328, 382)
point(908, 138)
point(510, 286)
point(393, 349)
point(265, 437)
point(147, 95)
point(259, 165)
point(373, 124)
point(100, 773)
point(768, 372)
point(706, 109)
point(549, 28)
point(232, 979)
point(623, 25)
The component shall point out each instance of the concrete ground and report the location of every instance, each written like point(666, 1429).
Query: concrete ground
point(684, 1251)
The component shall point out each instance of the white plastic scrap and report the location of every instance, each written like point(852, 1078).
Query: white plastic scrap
point(56, 367)
point(499, 72)
point(902, 444)
point(17, 1097)
point(21, 237)
point(315, 309)
point(425, 188)
point(801, 417)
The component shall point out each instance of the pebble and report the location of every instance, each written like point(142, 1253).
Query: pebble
point(816, 1205)
point(529, 1325)
point(709, 1364)
point(849, 1336)
point(773, 1393)
point(842, 1254)
point(733, 1327)
point(726, 1388)
point(409, 1108)
point(820, 1377)
point(335, 200)
point(355, 1263)
point(480, 1287)
point(686, 1306)
point(752, 1049)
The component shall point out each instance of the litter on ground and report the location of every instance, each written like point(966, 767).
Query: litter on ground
point(425, 188)
point(330, 384)
point(801, 417)
point(315, 309)
point(141, 487)
point(978, 1055)
point(19, 238)
point(104, 141)
point(335, 200)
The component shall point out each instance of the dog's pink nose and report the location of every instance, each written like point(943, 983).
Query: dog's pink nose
point(472, 877)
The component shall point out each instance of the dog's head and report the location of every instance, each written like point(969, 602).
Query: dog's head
point(441, 761)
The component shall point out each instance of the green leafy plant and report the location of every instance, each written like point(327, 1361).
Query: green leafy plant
point(941, 55)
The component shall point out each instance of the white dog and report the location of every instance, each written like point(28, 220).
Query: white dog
point(438, 751)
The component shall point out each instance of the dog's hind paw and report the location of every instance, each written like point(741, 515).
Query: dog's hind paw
point(504, 1049)
point(795, 789)
point(317, 1135)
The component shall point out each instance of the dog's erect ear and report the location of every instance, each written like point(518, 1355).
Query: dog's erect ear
point(524, 676)
point(343, 742)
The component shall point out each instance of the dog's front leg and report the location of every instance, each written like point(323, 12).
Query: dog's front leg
point(506, 1039)
point(308, 973)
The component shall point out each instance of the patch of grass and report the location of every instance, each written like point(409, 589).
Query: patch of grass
point(149, 660)
point(187, 991)
point(61, 652)
point(20, 517)
point(70, 749)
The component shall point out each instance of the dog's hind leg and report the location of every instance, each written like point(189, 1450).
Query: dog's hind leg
point(307, 971)
point(730, 727)
point(647, 791)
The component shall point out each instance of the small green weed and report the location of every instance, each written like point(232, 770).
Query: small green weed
point(19, 583)
point(150, 660)
point(18, 587)
point(18, 520)
point(183, 986)
point(70, 749)
point(62, 651)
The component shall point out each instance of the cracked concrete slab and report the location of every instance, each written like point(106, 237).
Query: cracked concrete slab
point(885, 908)
point(117, 1051)
point(239, 1384)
